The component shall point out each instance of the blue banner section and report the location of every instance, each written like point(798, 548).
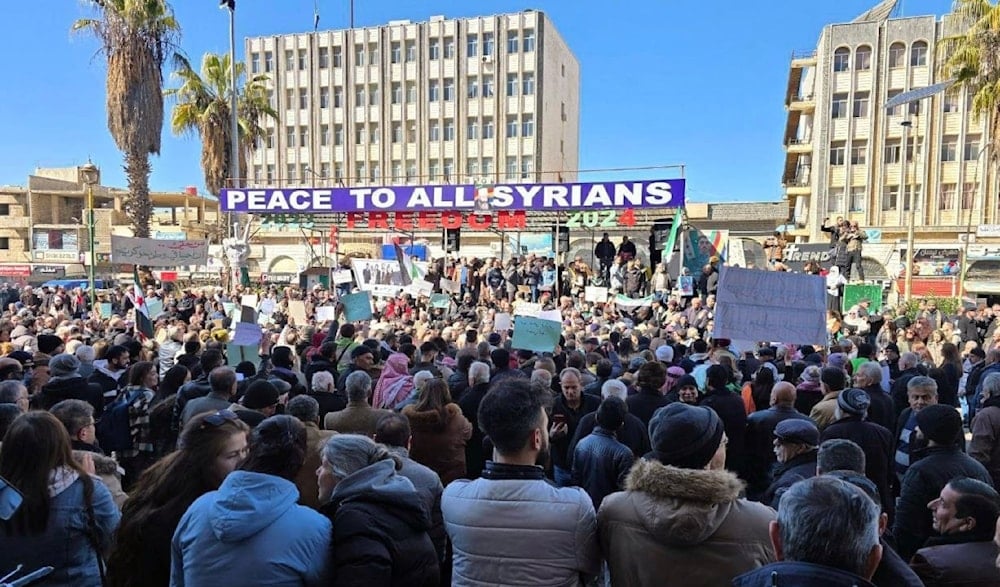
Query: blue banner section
point(667, 193)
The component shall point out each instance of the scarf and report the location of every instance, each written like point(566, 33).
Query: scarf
point(138, 420)
point(60, 479)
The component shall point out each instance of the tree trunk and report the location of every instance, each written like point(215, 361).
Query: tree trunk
point(138, 206)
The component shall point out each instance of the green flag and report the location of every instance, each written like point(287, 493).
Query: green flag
point(668, 248)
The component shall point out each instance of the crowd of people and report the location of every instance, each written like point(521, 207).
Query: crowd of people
point(421, 447)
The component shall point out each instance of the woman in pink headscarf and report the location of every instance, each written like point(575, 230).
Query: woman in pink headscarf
point(395, 383)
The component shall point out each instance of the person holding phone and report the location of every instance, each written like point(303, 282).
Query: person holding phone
point(569, 407)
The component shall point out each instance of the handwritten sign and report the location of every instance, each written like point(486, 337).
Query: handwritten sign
point(342, 276)
point(527, 309)
point(420, 287)
point(553, 315)
point(326, 314)
point(267, 306)
point(501, 322)
point(247, 334)
point(297, 311)
point(158, 253)
point(770, 305)
point(442, 301)
point(536, 334)
point(104, 309)
point(357, 306)
point(450, 286)
point(595, 294)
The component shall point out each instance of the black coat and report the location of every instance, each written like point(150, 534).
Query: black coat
point(758, 451)
point(600, 465)
point(922, 483)
point(380, 526)
point(56, 391)
point(900, 400)
point(633, 434)
point(878, 445)
point(881, 411)
point(799, 573)
point(798, 468)
point(730, 408)
point(317, 364)
point(475, 454)
point(328, 402)
point(560, 410)
point(643, 404)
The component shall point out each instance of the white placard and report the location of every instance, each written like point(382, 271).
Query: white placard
point(326, 314)
point(753, 304)
point(158, 253)
point(527, 309)
point(595, 294)
point(449, 286)
point(553, 315)
point(501, 322)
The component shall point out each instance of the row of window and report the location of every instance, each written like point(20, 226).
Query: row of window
point(951, 102)
point(371, 171)
point(892, 200)
point(523, 84)
point(369, 53)
point(858, 155)
point(476, 128)
point(863, 57)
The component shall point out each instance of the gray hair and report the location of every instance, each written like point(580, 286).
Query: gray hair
point(75, 415)
point(322, 381)
point(991, 386)
point(840, 454)
point(542, 377)
point(10, 391)
point(569, 371)
point(614, 388)
point(922, 382)
point(304, 408)
point(85, 353)
point(479, 372)
point(358, 385)
point(908, 360)
point(346, 454)
point(828, 522)
point(872, 371)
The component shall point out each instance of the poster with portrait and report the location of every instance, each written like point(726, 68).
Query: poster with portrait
point(702, 245)
point(380, 276)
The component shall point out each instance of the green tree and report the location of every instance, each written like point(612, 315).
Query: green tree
point(136, 37)
point(972, 59)
point(203, 106)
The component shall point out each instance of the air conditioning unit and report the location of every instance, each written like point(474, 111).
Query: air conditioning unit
point(967, 238)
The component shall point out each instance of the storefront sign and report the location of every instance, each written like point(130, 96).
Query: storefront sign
point(935, 262)
point(48, 271)
point(988, 230)
point(984, 251)
point(56, 255)
point(15, 270)
point(553, 196)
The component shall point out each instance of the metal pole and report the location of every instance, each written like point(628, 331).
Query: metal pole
point(93, 254)
point(909, 195)
point(352, 14)
point(234, 163)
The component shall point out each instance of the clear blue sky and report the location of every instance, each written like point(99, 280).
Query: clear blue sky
point(699, 83)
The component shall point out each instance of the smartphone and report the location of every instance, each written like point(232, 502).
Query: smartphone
point(10, 500)
point(558, 418)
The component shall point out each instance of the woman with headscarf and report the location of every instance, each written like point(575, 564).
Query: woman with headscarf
point(395, 384)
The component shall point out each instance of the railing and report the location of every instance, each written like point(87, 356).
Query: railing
point(803, 54)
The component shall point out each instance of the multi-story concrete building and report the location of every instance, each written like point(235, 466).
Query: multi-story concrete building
point(485, 99)
point(844, 152)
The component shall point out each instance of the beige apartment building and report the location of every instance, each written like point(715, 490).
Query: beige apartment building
point(485, 99)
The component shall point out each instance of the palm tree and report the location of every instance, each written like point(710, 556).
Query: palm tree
point(972, 59)
point(202, 107)
point(137, 37)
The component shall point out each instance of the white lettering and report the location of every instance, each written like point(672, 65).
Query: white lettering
point(322, 199)
point(528, 194)
point(628, 195)
point(383, 198)
point(503, 197)
point(439, 199)
point(257, 200)
point(658, 193)
point(464, 199)
point(278, 202)
point(575, 195)
point(300, 199)
point(598, 195)
point(419, 199)
point(359, 197)
point(234, 197)
point(555, 196)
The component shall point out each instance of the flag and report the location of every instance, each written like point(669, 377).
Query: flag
point(668, 248)
point(407, 270)
point(143, 324)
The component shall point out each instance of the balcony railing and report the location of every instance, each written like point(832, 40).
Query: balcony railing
point(803, 54)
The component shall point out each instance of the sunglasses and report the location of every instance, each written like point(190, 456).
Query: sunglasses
point(219, 418)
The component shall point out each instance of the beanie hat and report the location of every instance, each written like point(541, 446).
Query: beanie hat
point(685, 436)
point(811, 373)
point(635, 363)
point(48, 343)
point(837, 361)
point(686, 381)
point(665, 354)
point(260, 394)
point(63, 364)
point(940, 423)
point(854, 402)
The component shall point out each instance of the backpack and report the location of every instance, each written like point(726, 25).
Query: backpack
point(112, 429)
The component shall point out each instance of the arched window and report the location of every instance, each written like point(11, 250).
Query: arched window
point(842, 59)
point(918, 54)
point(897, 55)
point(863, 58)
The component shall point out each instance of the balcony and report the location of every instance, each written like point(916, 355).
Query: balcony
point(801, 146)
point(802, 59)
point(802, 102)
point(15, 222)
point(798, 187)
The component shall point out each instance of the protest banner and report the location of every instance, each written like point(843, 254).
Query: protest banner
point(342, 276)
point(267, 306)
point(501, 322)
point(663, 193)
point(326, 314)
point(752, 304)
point(247, 334)
point(297, 311)
point(522, 308)
point(450, 286)
point(158, 253)
point(154, 307)
point(357, 306)
point(701, 245)
point(554, 315)
point(595, 294)
point(536, 334)
point(442, 301)
point(249, 300)
point(420, 287)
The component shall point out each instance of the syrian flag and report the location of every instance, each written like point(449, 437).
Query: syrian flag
point(143, 324)
point(407, 270)
point(668, 248)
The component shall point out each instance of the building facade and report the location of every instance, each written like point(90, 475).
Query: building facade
point(844, 151)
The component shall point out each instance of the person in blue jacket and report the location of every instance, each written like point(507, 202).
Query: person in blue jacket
point(251, 530)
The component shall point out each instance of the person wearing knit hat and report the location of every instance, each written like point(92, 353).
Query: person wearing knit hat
point(833, 380)
point(665, 354)
point(875, 440)
point(942, 461)
point(50, 344)
point(65, 382)
point(259, 402)
point(681, 514)
point(795, 445)
point(684, 390)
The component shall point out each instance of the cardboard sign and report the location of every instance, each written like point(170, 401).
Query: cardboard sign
point(357, 306)
point(297, 310)
point(536, 334)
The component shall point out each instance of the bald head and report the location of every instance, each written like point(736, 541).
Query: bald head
point(783, 394)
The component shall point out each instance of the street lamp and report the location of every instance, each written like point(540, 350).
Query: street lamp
point(91, 175)
point(234, 160)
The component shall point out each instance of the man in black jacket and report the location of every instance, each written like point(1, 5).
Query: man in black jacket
point(940, 462)
point(200, 387)
point(605, 254)
point(633, 432)
point(876, 441)
point(868, 377)
point(908, 370)
point(600, 462)
point(795, 444)
point(569, 408)
point(730, 409)
point(760, 457)
point(324, 360)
